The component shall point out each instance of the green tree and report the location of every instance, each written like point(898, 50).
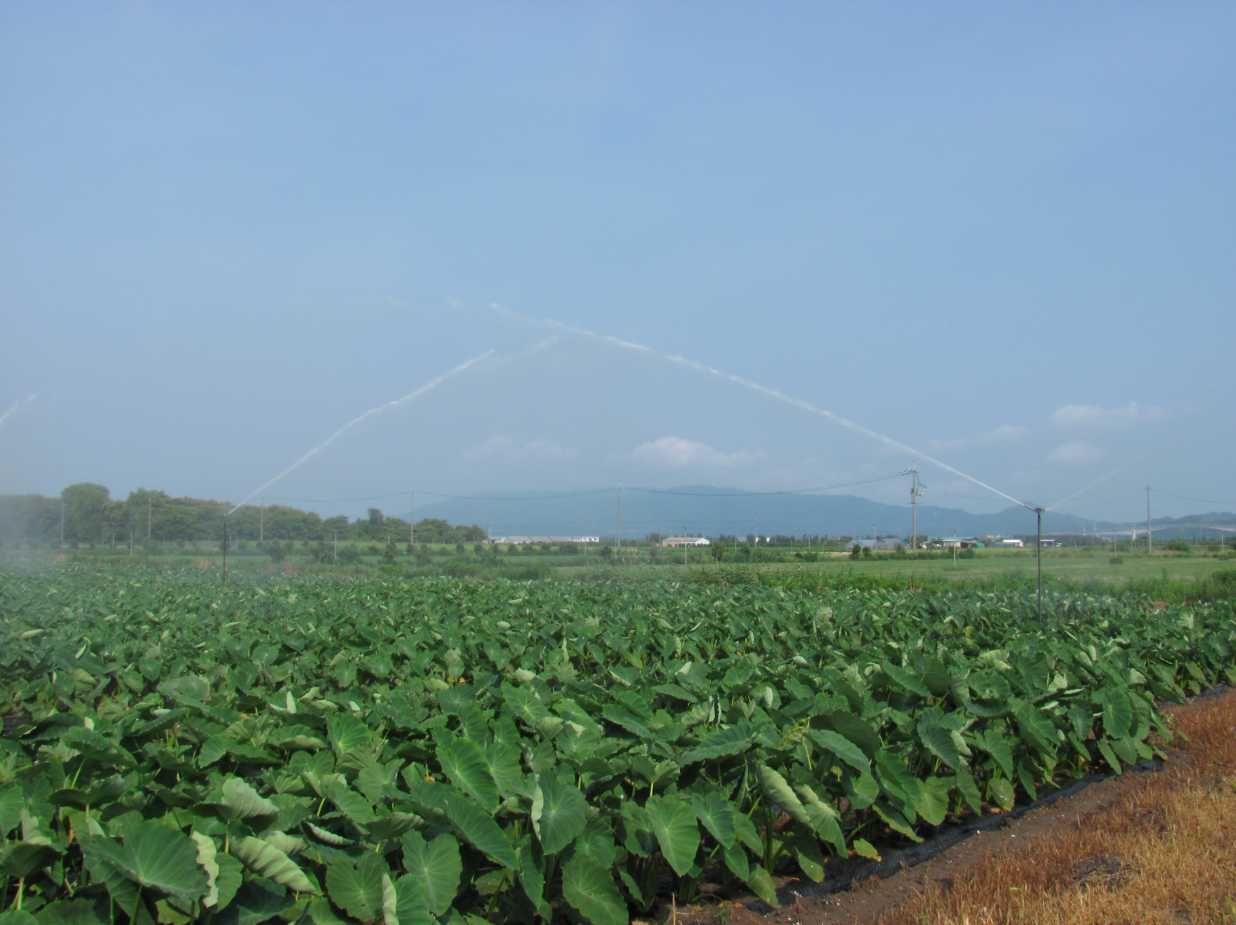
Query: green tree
point(85, 510)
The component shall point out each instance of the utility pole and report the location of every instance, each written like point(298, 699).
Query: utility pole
point(1038, 556)
point(619, 521)
point(335, 548)
point(62, 521)
point(1149, 540)
point(149, 515)
point(262, 524)
point(225, 539)
point(916, 489)
point(412, 522)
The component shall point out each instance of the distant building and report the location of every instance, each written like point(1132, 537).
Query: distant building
point(533, 540)
point(880, 542)
point(674, 542)
point(1013, 543)
point(959, 542)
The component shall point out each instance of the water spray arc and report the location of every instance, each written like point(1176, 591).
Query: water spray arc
point(15, 407)
point(314, 451)
point(751, 385)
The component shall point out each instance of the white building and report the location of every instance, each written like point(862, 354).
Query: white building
point(1014, 544)
point(676, 541)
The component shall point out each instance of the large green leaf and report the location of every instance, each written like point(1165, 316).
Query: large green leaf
point(720, 744)
point(12, 800)
point(357, 888)
point(1036, 729)
point(761, 883)
point(502, 760)
point(558, 812)
point(532, 878)
point(854, 728)
point(898, 781)
point(932, 799)
point(673, 823)
point(267, 861)
point(348, 801)
point(590, 889)
point(157, 858)
point(825, 821)
point(998, 745)
point(479, 828)
point(21, 859)
point(410, 905)
point(717, 815)
point(906, 679)
point(842, 747)
point(350, 738)
point(464, 763)
point(435, 867)
point(245, 802)
point(1117, 712)
point(206, 859)
point(69, 912)
point(939, 741)
point(779, 792)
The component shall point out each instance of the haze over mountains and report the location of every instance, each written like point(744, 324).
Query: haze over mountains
point(713, 511)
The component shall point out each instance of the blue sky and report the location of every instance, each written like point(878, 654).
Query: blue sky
point(1002, 234)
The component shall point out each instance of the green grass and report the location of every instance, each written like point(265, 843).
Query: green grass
point(1162, 573)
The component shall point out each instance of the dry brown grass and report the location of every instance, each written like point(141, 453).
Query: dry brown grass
point(1164, 853)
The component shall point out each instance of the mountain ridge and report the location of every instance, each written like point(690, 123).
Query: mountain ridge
point(712, 511)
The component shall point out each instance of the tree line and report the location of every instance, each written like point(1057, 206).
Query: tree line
point(86, 513)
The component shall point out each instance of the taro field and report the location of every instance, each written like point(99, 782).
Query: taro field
point(439, 750)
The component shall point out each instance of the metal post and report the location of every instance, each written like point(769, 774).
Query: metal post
point(412, 522)
point(914, 493)
point(149, 517)
point(619, 521)
point(62, 521)
point(262, 524)
point(225, 539)
point(335, 549)
point(1038, 556)
point(1149, 539)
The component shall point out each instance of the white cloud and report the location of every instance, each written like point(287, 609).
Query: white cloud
point(1005, 433)
point(681, 453)
point(1096, 416)
point(505, 449)
point(1076, 453)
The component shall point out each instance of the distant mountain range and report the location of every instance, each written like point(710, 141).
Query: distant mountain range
point(713, 511)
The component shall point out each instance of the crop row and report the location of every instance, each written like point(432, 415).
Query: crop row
point(444, 751)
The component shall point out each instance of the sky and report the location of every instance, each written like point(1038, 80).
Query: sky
point(1002, 234)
